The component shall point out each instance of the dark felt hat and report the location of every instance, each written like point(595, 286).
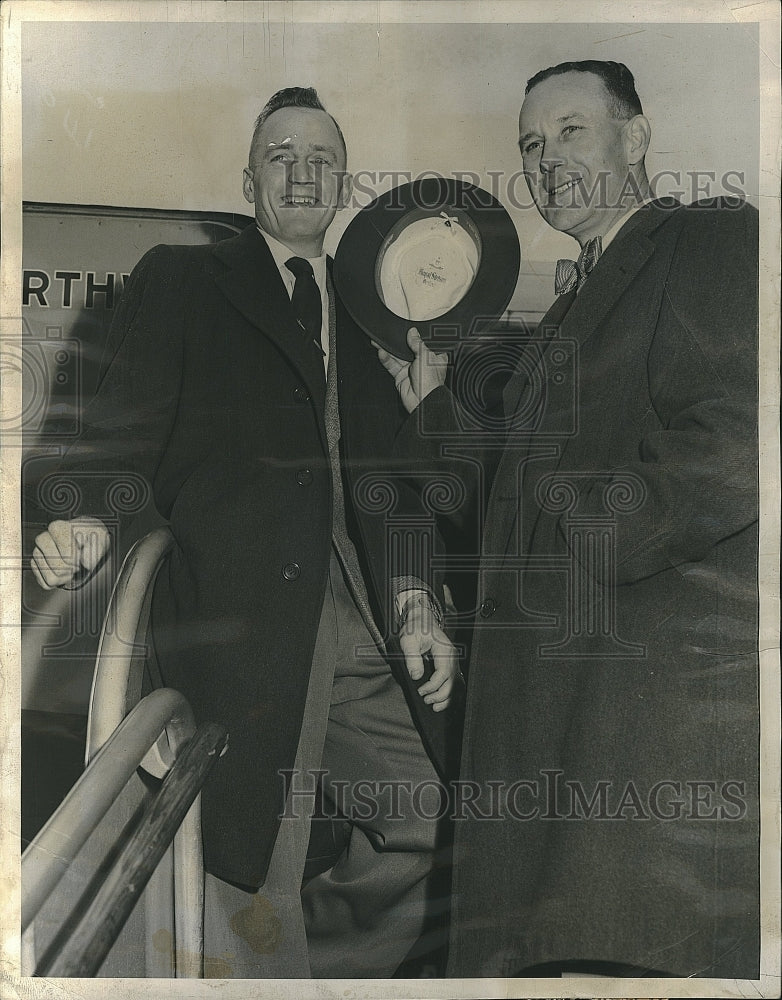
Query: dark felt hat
point(438, 254)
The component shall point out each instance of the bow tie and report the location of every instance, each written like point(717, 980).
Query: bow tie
point(572, 274)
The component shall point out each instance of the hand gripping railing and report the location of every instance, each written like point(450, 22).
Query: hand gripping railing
point(87, 935)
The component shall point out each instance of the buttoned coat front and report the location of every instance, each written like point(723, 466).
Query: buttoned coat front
point(214, 404)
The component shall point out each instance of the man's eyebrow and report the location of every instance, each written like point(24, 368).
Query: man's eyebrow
point(574, 115)
point(286, 144)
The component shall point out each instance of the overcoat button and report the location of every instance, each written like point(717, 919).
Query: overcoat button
point(488, 607)
point(291, 571)
point(301, 395)
point(304, 477)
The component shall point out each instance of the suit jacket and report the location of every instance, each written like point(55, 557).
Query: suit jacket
point(213, 405)
point(613, 665)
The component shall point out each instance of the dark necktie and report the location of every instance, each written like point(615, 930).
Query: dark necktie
point(572, 274)
point(306, 301)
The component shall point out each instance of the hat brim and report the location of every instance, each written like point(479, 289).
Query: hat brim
point(355, 263)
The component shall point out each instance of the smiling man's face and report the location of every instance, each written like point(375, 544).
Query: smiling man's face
point(297, 177)
point(575, 154)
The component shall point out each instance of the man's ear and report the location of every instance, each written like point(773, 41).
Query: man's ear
point(637, 134)
point(346, 191)
point(247, 186)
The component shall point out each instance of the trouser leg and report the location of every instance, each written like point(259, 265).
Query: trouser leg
point(364, 914)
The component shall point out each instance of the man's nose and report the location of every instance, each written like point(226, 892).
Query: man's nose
point(549, 161)
point(300, 172)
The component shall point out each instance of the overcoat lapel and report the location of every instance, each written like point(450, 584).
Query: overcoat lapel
point(502, 516)
point(252, 283)
point(546, 331)
point(571, 318)
point(621, 263)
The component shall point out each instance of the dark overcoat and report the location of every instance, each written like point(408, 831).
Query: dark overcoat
point(213, 403)
point(613, 683)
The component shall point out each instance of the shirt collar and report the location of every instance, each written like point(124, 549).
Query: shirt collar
point(281, 254)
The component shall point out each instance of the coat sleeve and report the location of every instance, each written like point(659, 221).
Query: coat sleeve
point(696, 475)
point(108, 471)
point(433, 447)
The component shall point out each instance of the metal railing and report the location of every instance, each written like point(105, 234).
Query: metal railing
point(117, 680)
point(173, 815)
point(151, 738)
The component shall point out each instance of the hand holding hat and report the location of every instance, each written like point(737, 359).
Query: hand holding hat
point(415, 379)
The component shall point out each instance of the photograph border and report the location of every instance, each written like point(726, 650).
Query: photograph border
point(766, 15)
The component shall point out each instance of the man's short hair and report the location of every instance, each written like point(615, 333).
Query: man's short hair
point(617, 79)
point(294, 97)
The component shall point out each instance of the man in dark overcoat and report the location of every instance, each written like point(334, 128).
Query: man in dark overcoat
point(611, 737)
point(242, 396)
